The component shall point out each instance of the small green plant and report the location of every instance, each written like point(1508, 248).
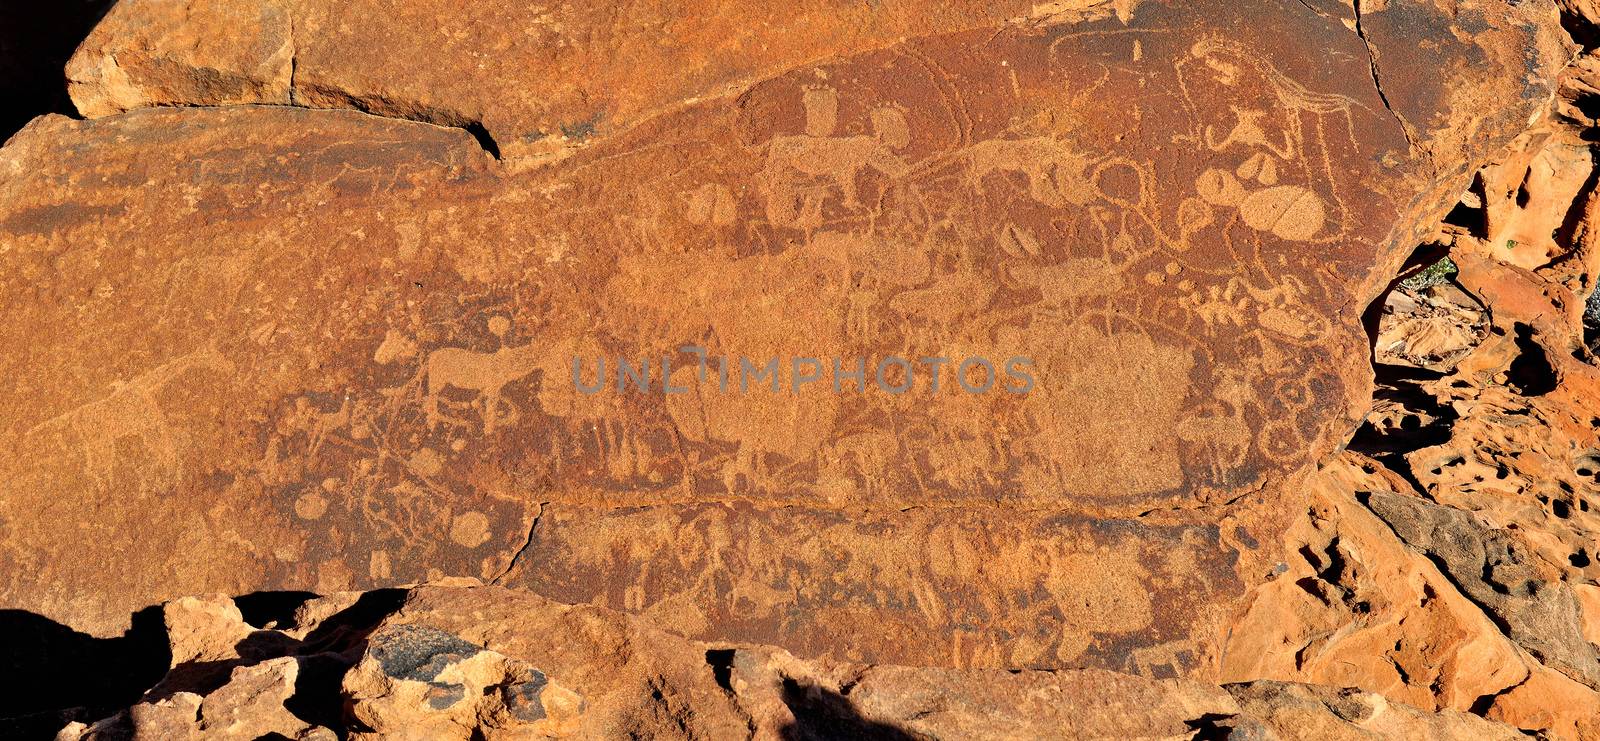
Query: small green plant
point(1511, 244)
point(1433, 275)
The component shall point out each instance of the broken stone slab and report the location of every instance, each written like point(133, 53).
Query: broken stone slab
point(212, 52)
point(1539, 613)
point(417, 682)
point(1431, 327)
point(636, 680)
point(631, 674)
point(1286, 710)
point(266, 347)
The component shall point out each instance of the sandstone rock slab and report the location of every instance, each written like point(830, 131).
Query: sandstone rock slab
point(533, 80)
point(274, 347)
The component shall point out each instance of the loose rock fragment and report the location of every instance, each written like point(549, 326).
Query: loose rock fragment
point(422, 683)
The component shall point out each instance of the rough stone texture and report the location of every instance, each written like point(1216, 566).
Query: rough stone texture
point(1429, 327)
point(351, 336)
point(171, 53)
point(1274, 709)
point(1499, 576)
point(534, 80)
point(637, 681)
point(421, 683)
point(298, 346)
point(924, 584)
point(1446, 559)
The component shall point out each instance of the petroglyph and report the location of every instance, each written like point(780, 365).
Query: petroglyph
point(1093, 405)
point(132, 410)
point(1167, 232)
point(1288, 211)
point(925, 572)
point(795, 162)
point(711, 203)
point(484, 373)
point(1056, 175)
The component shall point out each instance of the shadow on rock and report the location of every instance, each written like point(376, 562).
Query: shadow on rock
point(57, 674)
point(36, 39)
point(822, 714)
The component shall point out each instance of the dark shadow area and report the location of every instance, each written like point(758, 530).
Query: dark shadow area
point(351, 626)
point(1425, 422)
point(204, 677)
point(825, 715)
point(330, 650)
point(317, 697)
point(721, 662)
point(1531, 374)
point(262, 609)
point(56, 674)
point(1472, 218)
point(485, 140)
point(37, 37)
point(1409, 431)
point(1591, 323)
point(1211, 727)
point(1581, 31)
point(325, 654)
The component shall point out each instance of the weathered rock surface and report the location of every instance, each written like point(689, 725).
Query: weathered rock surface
point(1446, 559)
point(422, 671)
point(299, 346)
point(416, 682)
point(533, 81)
point(333, 350)
point(1429, 327)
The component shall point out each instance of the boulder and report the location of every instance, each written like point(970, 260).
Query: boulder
point(1102, 269)
point(426, 669)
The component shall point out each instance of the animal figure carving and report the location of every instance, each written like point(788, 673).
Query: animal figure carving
point(133, 410)
point(485, 373)
point(1055, 174)
point(839, 159)
point(1224, 432)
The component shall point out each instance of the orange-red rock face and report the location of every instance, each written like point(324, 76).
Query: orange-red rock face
point(267, 347)
point(535, 77)
point(298, 307)
point(459, 663)
point(1448, 562)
